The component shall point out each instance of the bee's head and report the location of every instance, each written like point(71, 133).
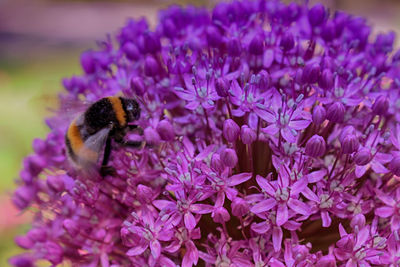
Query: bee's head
point(132, 109)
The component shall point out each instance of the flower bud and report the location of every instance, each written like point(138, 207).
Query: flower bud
point(394, 166)
point(131, 51)
point(75, 85)
point(318, 115)
point(327, 261)
point(137, 86)
point(358, 220)
point(55, 183)
point(222, 87)
point(24, 242)
point(166, 130)
point(347, 130)
point(234, 47)
point(293, 11)
point(37, 234)
point(380, 105)
point(22, 197)
point(335, 112)
point(87, 62)
point(311, 73)
point(99, 234)
point(315, 146)
point(219, 13)
point(151, 67)
point(216, 163)
point(21, 261)
point(240, 207)
point(247, 135)
point(103, 59)
point(71, 227)
point(151, 136)
point(220, 215)
point(169, 28)
point(256, 46)
point(214, 37)
point(231, 130)
point(362, 157)
point(328, 32)
point(326, 79)
point(229, 157)
point(265, 80)
point(287, 42)
point(34, 164)
point(316, 15)
point(54, 252)
point(144, 193)
point(349, 144)
point(39, 145)
point(151, 42)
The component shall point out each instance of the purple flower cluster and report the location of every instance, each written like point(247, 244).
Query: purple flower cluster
point(274, 135)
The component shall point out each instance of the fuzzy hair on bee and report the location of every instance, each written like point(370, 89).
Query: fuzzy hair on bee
point(92, 132)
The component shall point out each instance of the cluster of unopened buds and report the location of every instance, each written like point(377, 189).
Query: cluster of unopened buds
point(274, 141)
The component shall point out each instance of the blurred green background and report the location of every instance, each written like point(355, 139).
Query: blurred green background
point(40, 43)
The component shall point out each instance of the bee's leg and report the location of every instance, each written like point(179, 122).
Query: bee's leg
point(136, 127)
point(134, 144)
point(129, 143)
point(104, 169)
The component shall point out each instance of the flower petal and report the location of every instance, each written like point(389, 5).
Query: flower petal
point(191, 255)
point(190, 221)
point(271, 129)
point(395, 222)
point(360, 170)
point(326, 219)
point(265, 185)
point(260, 228)
point(299, 206)
point(342, 231)
point(299, 186)
point(239, 178)
point(288, 135)
point(299, 124)
point(155, 248)
point(263, 205)
point(201, 208)
point(163, 204)
point(277, 238)
point(264, 114)
point(316, 176)
point(139, 249)
point(378, 167)
point(282, 214)
point(384, 211)
point(362, 237)
point(309, 194)
point(389, 201)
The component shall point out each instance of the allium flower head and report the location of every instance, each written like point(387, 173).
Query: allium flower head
point(272, 139)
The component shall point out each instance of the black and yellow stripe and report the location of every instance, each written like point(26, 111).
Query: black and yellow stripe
point(118, 108)
point(76, 147)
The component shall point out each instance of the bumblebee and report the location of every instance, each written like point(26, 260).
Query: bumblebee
point(92, 132)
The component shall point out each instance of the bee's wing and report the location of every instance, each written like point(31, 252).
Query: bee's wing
point(67, 110)
point(96, 141)
point(86, 162)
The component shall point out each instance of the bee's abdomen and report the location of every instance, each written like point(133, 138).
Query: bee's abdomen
point(76, 147)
